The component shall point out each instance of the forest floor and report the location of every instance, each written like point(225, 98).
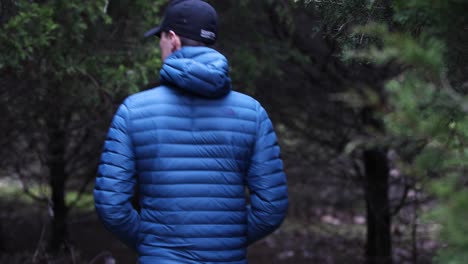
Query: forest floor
point(22, 226)
point(310, 234)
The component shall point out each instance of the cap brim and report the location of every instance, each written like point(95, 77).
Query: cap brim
point(154, 31)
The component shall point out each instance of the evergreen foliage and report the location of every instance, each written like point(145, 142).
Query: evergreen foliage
point(63, 67)
point(425, 117)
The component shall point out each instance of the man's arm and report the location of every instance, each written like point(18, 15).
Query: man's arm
point(266, 182)
point(115, 182)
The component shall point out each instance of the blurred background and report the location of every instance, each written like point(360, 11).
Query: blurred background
point(368, 98)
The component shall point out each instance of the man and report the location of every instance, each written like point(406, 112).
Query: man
point(192, 145)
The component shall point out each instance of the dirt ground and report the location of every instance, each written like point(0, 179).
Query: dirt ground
point(311, 234)
point(22, 226)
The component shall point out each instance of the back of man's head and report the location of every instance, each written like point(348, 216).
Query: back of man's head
point(195, 21)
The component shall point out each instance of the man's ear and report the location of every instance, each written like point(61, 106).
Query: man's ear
point(175, 41)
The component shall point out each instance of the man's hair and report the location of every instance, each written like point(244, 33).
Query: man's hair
point(190, 42)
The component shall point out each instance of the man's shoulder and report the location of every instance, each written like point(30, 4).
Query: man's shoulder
point(166, 95)
point(242, 96)
point(243, 100)
point(150, 96)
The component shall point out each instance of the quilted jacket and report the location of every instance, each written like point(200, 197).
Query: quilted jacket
point(205, 160)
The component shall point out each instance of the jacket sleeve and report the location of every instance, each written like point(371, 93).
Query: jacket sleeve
point(115, 182)
point(266, 182)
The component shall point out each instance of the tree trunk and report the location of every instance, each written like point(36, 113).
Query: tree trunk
point(379, 243)
point(2, 245)
point(57, 184)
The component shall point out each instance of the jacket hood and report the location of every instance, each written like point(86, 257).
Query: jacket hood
point(198, 70)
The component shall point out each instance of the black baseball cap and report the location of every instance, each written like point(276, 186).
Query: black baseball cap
point(193, 19)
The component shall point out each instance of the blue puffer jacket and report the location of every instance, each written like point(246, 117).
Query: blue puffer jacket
point(191, 146)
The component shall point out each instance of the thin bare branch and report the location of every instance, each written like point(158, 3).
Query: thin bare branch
point(82, 190)
point(25, 186)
